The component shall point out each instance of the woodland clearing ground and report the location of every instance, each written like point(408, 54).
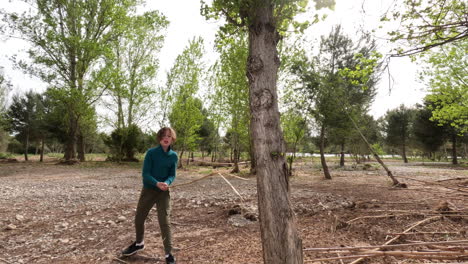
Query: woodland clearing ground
point(84, 213)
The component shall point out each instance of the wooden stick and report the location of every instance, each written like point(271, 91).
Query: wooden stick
point(388, 246)
point(406, 231)
point(199, 179)
point(434, 183)
point(421, 255)
point(424, 233)
point(382, 216)
point(336, 258)
point(231, 186)
point(238, 177)
point(4, 260)
point(119, 260)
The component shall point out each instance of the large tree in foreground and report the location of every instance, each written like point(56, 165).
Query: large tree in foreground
point(264, 20)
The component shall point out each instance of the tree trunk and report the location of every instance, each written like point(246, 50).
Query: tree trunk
point(342, 161)
point(253, 163)
point(71, 140)
point(26, 147)
point(389, 173)
point(280, 239)
point(454, 149)
point(81, 147)
point(181, 166)
point(42, 150)
point(405, 159)
point(326, 172)
point(236, 159)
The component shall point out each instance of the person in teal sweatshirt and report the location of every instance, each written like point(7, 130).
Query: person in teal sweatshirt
point(159, 171)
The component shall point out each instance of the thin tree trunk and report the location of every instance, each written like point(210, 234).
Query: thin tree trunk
point(405, 159)
point(81, 147)
point(181, 166)
point(253, 163)
point(454, 149)
point(26, 147)
point(42, 150)
point(342, 160)
point(389, 173)
point(280, 239)
point(326, 172)
point(236, 159)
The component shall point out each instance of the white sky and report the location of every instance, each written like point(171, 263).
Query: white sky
point(187, 23)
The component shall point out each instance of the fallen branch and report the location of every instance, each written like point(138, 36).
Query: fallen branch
point(119, 260)
point(425, 233)
point(382, 216)
point(337, 258)
point(430, 219)
point(420, 255)
point(387, 246)
point(435, 183)
point(5, 261)
point(231, 186)
point(190, 182)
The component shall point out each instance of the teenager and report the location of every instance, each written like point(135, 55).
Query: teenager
point(159, 171)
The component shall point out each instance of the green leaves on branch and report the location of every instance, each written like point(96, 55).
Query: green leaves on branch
point(242, 13)
point(448, 81)
point(428, 24)
point(363, 70)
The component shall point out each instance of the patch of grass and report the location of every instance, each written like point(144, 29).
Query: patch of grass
point(5, 155)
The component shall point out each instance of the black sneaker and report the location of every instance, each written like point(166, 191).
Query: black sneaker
point(170, 259)
point(132, 249)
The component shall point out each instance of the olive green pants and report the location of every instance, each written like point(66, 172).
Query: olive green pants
point(162, 199)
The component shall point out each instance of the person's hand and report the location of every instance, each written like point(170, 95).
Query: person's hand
point(162, 186)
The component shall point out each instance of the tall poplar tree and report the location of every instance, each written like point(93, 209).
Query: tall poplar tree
point(67, 39)
point(264, 20)
point(184, 81)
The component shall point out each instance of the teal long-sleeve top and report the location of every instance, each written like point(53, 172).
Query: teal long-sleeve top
point(159, 166)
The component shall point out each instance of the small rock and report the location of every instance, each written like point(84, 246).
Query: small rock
point(112, 223)
point(64, 224)
point(121, 218)
point(10, 227)
point(19, 217)
point(64, 240)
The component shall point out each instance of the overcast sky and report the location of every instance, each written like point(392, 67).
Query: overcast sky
point(186, 23)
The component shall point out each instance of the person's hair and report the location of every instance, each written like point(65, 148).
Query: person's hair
point(163, 130)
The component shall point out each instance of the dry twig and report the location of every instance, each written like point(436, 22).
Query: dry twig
point(386, 246)
point(430, 219)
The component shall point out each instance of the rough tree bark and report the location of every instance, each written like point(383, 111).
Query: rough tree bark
point(281, 242)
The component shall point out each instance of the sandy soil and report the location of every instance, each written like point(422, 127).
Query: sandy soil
point(84, 213)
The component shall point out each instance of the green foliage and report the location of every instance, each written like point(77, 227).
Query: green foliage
point(124, 143)
point(428, 24)
point(448, 81)
point(68, 38)
point(243, 13)
point(23, 117)
point(397, 128)
point(183, 83)
point(231, 90)
point(340, 81)
point(428, 135)
point(131, 67)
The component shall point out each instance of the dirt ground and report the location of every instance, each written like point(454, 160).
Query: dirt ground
point(84, 213)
